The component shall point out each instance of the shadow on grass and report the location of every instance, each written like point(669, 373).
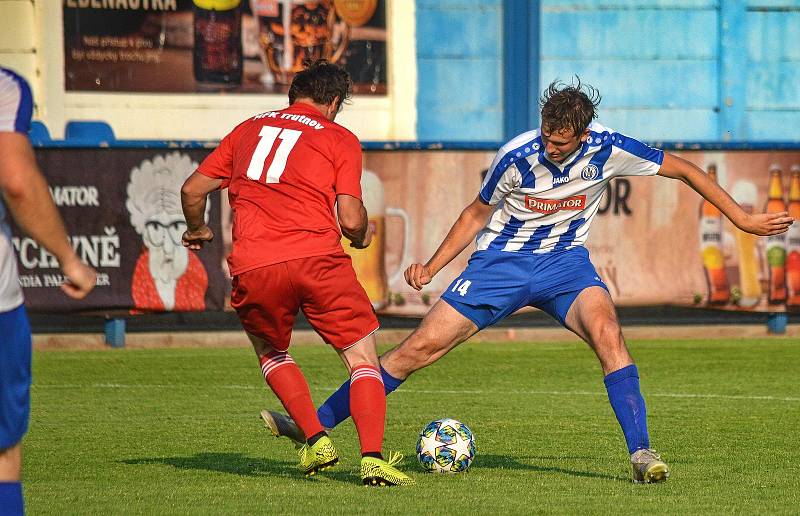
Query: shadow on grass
point(503, 462)
point(238, 464)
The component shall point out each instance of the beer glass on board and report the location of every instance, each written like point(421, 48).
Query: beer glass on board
point(291, 31)
point(370, 263)
point(745, 193)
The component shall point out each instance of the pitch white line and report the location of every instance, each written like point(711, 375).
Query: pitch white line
point(603, 394)
point(142, 386)
point(420, 391)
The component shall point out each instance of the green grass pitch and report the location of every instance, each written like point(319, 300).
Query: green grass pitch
point(176, 431)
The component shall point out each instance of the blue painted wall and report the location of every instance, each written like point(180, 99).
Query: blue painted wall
point(654, 62)
point(712, 70)
point(459, 65)
point(773, 70)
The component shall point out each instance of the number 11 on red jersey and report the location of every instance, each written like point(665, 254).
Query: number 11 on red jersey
point(268, 136)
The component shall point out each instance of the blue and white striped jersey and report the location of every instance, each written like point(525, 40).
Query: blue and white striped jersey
point(543, 206)
point(16, 107)
point(16, 103)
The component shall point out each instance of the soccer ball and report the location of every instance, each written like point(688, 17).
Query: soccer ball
point(446, 446)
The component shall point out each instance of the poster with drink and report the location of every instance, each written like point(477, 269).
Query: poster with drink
point(232, 46)
point(743, 271)
point(654, 240)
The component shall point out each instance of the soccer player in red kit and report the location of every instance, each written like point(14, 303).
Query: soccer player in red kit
point(290, 175)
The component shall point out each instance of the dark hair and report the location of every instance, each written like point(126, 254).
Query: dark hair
point(568, 106)
point(321, 82)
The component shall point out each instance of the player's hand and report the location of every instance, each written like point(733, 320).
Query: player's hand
point(367, 238)
point(196, 239)
point(418, 275)
point(81, 278)
point(765, 224)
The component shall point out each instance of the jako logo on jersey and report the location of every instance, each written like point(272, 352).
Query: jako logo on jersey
point(590, 172)
point(547, 206)
point(560, 180)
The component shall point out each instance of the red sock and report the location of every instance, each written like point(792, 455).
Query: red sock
point(289, 385)
point(368, 407)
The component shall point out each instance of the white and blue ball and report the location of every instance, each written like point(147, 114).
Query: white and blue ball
point(446, 446)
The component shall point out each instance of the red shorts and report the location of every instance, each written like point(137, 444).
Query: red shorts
point(324, 287)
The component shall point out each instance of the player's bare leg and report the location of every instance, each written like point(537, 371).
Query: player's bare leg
point(363, 352)
point(440, 331)
point(593, 317)
point(290, 386)
point(11, 463)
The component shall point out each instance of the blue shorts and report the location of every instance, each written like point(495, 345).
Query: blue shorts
point(15, 376)
point(495, 284)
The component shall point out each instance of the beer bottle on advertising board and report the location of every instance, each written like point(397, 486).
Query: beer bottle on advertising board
point(218, 42)
point(711, 249)
point(793, 241)
point(776, 244)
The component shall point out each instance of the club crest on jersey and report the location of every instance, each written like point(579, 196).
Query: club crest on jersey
point(548, 206)
point(590, 172)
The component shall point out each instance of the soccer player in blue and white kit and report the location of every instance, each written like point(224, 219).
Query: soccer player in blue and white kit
point(540, 196)
point(25, 194)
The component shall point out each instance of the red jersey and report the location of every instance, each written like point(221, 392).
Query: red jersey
point(283, 170)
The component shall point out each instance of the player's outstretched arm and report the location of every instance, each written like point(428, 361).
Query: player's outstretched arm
point(28, 199)
point(756, 223)
point(353, 220)
point(194, 193)
point(469, 223)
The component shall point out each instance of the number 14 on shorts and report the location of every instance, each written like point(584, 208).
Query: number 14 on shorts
point(461, 286)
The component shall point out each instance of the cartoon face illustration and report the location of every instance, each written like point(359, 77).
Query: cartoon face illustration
point(166, 275)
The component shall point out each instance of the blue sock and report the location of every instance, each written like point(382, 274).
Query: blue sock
point(337, 407)
point(628, 405)
point(11, 499)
